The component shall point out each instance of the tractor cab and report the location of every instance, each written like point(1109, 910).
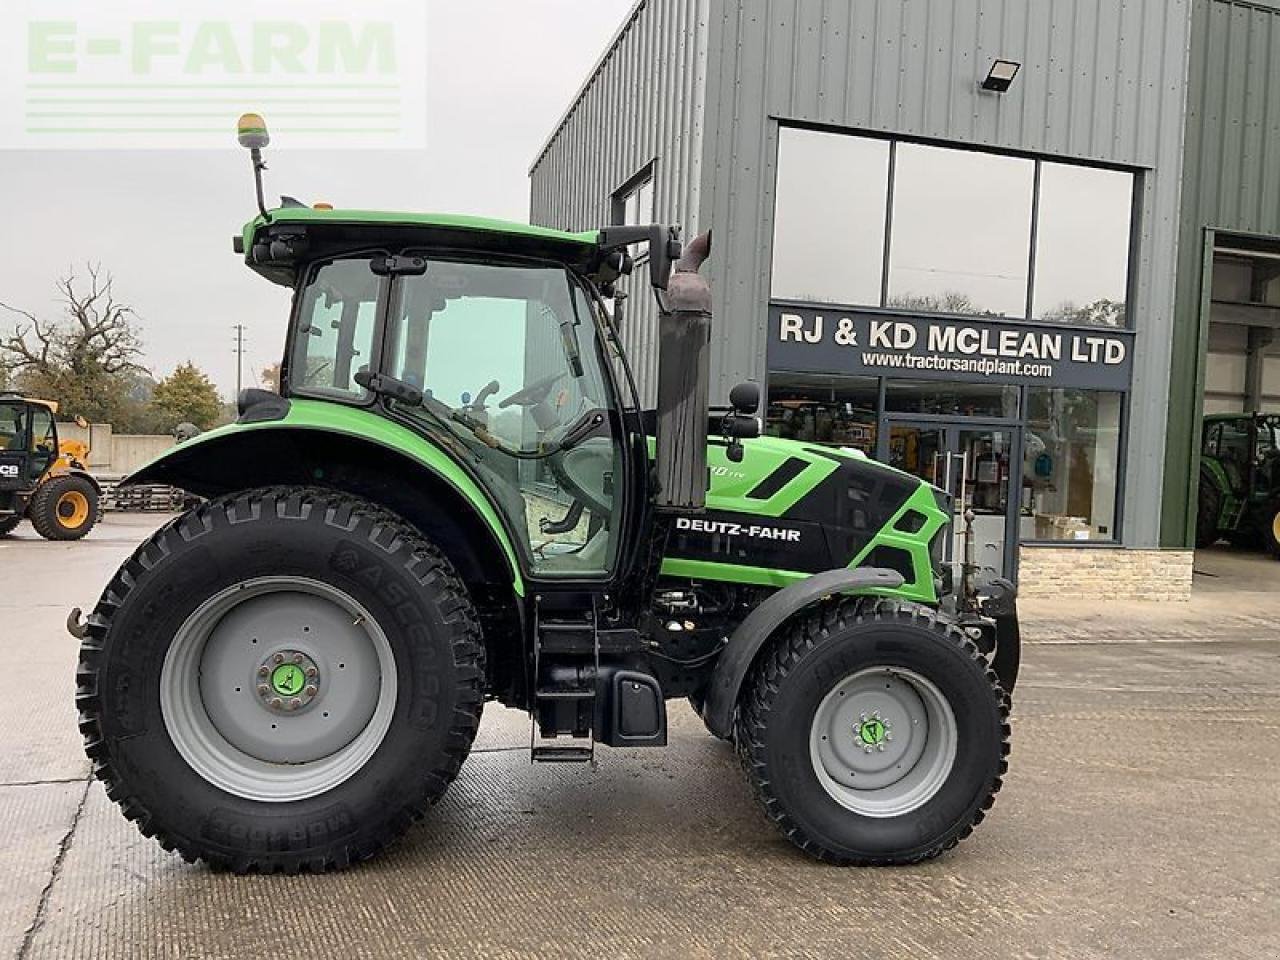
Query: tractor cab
point(28, 444)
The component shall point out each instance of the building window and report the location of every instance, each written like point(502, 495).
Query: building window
point(1082, 245)
point(960, 227)
point(633, 206)
point(961, 234)
point(1071, 461)
point(828, 239)
point(841, 411)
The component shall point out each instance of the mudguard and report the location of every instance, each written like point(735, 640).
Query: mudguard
point(215, 462)
point(752, 634)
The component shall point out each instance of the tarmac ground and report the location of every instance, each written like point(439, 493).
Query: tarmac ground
point(1140, 818)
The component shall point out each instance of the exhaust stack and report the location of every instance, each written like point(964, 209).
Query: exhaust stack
point(684, 331)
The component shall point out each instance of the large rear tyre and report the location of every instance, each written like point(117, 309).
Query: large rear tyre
point(64, 508)
point(8, 525)
point(281, 680)
point(874, 732)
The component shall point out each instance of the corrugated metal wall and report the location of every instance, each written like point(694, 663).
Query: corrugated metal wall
point(644, 102)
point(1100, 79)
point(1103, 80)
point(1231, 183)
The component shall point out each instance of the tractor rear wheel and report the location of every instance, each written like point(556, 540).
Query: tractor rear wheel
point(281, 680)
point(874, 733)
point(1208, 511)
point(8, 525)
point(64, 508)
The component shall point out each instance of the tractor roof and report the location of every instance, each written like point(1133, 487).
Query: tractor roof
point(334, 230)
point(6, 395)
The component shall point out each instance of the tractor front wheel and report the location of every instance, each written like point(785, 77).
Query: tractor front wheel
point(874, 733)
point(281, 680)
point(64, 508)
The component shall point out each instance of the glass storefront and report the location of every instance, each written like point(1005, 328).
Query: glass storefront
point(1033, 464)
point(1071, 464)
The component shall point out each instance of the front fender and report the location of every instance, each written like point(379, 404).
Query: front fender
point(297, 448)
point(751, 635)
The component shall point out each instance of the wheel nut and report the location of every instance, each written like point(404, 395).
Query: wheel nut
point(310, 691)
point(278, 658)
point(263, 689)
point(277, 702)
point(888, 736)
point(295, 703)
point(881, 748)
point(263, 671)
point(311, 672)
point(297, 658)
point(866, 749)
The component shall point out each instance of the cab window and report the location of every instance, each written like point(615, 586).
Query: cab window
point(509, 360)
point(336, 324)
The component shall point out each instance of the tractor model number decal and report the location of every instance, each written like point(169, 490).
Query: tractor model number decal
point(738, 529)
point(8, 469)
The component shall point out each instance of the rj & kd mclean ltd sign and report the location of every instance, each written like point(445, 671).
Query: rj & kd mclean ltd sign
point(834, 341)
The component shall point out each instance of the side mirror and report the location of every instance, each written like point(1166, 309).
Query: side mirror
point(745, 398)
point(741, 423)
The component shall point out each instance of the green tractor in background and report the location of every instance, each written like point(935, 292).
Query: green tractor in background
point(1240, 481)
point(456, 497)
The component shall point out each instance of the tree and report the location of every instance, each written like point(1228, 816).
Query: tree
point(85, 360)
point(1100, 313)
point(270, 377)
point(185, 396)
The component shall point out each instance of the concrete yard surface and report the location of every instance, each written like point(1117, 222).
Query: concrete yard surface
point(1139, 819)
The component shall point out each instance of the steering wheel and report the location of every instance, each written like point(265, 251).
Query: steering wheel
point(533, 394)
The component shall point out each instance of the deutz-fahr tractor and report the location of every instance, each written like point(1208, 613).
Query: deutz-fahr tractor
point(455, 497)
point(1240, 481)
point(42, 480)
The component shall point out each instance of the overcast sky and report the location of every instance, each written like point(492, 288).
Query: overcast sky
point(500, 74)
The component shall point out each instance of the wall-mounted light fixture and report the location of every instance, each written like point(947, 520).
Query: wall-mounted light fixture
point(1000, 76)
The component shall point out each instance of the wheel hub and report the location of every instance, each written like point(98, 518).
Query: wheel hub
point(295, 722)
point(882, 741)
point(288, 680)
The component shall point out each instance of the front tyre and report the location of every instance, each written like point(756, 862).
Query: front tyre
point(874, 732)
point(280, 680)
point(9, 524)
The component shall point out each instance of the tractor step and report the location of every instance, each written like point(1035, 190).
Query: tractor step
point(566, 693)
point(554, 754)
point(566, 664)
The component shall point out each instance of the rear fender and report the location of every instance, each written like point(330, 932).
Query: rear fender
point(319, 444)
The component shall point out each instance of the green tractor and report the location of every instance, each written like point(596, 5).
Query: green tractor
point(1240, 481)
point(456, 497)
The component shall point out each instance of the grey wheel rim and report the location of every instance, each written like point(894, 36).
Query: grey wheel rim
point(883, 741)
point(278, 688)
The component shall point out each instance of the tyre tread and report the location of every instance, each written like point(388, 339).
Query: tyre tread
point(425, 562)
point(803, 635)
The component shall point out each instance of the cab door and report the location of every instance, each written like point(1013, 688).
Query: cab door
point(43, 443)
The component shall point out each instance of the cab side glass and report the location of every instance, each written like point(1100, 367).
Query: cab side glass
point(334, 337)
point(44, 442)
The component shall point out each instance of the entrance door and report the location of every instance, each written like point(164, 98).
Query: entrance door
point(979, 465)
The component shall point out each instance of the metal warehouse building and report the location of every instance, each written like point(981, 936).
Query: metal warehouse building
point(1017, 247)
